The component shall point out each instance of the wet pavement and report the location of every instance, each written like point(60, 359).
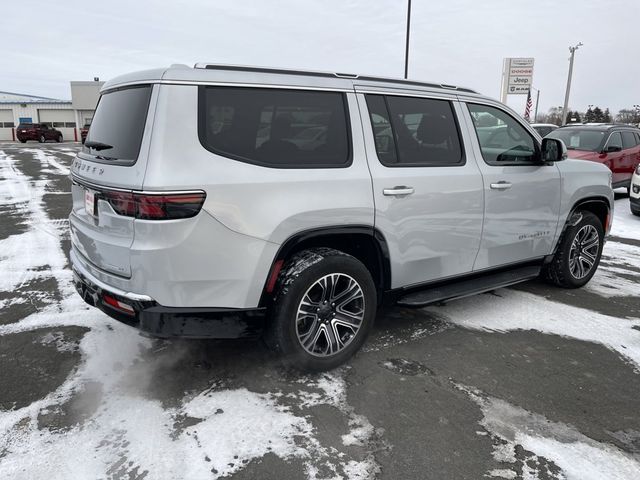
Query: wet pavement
point(526, 382)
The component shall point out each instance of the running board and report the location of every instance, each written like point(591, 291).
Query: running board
point(465, 288)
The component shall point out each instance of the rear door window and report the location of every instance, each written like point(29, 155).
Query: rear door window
point(615, 140)
point(413, 131)
point(275, 127)
point(628, 139)
point(118, 124)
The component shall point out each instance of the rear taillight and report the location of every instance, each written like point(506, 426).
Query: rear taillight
point(147, 206)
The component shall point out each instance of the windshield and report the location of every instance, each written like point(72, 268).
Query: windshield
point(580, 139)
point(118, 124)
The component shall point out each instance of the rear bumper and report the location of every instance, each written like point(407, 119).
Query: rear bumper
point(170, 322)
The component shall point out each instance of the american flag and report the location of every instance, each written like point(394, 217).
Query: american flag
point(527, 109)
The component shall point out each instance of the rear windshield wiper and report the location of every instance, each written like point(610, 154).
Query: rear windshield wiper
point(97, 145)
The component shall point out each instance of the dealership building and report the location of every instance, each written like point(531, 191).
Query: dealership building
point(64, 115)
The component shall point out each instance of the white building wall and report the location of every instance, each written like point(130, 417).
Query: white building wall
point(6, 124)
point(30, 110)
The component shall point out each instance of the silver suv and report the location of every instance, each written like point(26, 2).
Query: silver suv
point(224, 202)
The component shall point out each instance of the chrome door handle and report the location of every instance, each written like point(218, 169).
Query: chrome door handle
point(398, 191)
point(501, 186)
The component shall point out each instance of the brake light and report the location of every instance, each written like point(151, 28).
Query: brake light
point(155, 206)
point(122, 202)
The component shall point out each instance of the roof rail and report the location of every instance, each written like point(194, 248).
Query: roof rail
point(242, 68)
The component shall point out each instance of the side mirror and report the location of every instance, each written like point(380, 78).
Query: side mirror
point(553, 150)
point(612, 148)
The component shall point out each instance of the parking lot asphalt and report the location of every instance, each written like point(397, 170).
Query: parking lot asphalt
point(527, 382)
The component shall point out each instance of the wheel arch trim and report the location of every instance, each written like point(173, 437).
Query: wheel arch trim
point(574, 217)
point(295, 240)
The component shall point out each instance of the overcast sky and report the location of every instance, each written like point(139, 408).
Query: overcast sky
point(48, 43)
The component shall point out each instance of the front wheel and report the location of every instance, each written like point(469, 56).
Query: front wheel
point(578, 254)
point(324, 309)
point(59, 139)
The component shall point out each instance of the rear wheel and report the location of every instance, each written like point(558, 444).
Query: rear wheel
point(42, 139)
point(323, 311)
point(578, 254)
point(23, 141)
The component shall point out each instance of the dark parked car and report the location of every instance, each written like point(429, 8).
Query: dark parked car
point(37, 131)
point(84, 131)
point(616, 146)
point(544, 129)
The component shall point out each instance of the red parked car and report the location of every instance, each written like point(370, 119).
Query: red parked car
point(37, 131)
point(616, 146)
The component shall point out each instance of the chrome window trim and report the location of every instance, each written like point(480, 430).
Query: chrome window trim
point(84, 183)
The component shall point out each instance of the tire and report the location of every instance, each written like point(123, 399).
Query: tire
point(42, 139)
point(570, 265)
point(59, 139)
point(23, 141)
point(309, 282)
point(635, 212)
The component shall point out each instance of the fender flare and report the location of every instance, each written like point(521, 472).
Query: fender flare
point(316, 234)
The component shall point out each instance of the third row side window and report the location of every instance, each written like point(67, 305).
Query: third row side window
point(276, 128)
point(411, 131)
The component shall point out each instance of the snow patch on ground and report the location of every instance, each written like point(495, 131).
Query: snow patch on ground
point(58, 339)
point(48, 160)
point(515, 310)
point(578, 456)
point(625, 224)
point(36, 252)
point(331, 389)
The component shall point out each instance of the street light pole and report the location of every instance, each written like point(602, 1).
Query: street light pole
point(406, 50)
point(566, 95)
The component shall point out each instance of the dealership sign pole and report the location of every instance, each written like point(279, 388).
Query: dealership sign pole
point(517, 77)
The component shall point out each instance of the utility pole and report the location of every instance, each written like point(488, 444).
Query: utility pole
point(406, 50)
point(566, 95)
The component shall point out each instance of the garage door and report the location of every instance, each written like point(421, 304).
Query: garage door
point(6, 123)
point(63, 120)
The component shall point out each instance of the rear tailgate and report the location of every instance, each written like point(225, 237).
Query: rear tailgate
point(112, 162)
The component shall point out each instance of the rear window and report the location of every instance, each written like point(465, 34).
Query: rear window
point(275, 128)
point(580, 139)
point(118, 124)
